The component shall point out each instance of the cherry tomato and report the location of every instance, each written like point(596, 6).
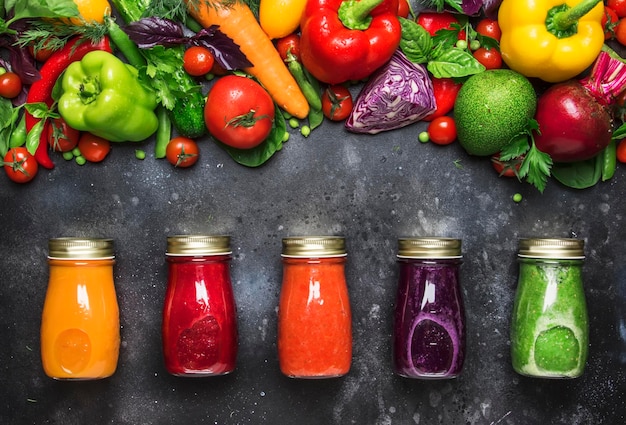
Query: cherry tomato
point(93, 148)
point(621, 151)
point(489, 28)
point(19, 165)
point(619, 6)
point(289, 44)
point(41, 55)
point(336, 102)
point(10, 85)
point(403, 8)
point(508, 168)
point(239, 112)
point(182, 152)
point(620, 32)
point(609, 22)
point(62, 137)
point(445, 91)
point(490, 58)
point(198, 61)
point(435, 21)
point(442, 130)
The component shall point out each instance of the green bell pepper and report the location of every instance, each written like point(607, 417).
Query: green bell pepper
point(102, 95)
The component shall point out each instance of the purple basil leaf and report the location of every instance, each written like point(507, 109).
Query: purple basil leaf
point(153, 31)
point(22, 62)
point(490, 7)
point(226, 52)
point(471, 7)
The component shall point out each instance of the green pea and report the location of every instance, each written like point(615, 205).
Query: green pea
point(68, 156)
point(139, 154)
point(80, 160)
point(76, 152)
point(294, 123)
point(286, 137)
point(305, 130)
point(461, 44)
point(517, 197)
point(474, 45)
point(424, 137)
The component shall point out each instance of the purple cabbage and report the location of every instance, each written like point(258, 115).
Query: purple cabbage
point(396, 95)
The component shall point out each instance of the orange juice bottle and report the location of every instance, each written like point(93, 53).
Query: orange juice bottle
point(80, 329)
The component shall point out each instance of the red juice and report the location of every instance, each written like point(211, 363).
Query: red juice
point(429, 323)
point(199, 316)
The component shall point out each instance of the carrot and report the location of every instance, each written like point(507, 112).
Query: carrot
point(235, 19)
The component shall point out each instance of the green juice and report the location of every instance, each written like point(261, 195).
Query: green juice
point(550, 329)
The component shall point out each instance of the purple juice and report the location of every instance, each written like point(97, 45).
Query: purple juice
point(429, 325)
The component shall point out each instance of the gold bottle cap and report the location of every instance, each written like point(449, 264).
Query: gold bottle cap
point(80, 248)
point(198, 245)
point(314, 246)
point(556, 248)
point(429, 248)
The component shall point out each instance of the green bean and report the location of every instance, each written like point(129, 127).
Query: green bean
point(609, 161)
point(163, 134)
point(311, 95)
point(18, 135)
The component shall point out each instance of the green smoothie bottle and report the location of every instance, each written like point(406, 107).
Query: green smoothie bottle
point(550, 329)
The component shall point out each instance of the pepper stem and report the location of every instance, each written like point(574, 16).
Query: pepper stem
point(562, 20)
point(356, 14)
point(89, 90)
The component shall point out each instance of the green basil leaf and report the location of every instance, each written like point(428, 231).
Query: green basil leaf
point(416, 43)
point(260, 154)
point(453, 63)
point(33, 136)
point(38, 110)
point(620, 132)
point(579, 175)
point(43, 8)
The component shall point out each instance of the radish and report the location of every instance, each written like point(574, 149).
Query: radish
point(574, 117)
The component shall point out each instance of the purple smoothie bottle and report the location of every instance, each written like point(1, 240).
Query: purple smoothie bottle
point(429, 322)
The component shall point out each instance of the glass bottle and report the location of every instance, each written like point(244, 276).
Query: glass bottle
point(80, 328)
point(429, 323)
point(199, 329)
point(314, 316)
point(549, 328)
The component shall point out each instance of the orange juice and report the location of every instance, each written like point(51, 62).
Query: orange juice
point(80, 330)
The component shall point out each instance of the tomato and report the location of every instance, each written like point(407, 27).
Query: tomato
point(337, 102)
point(445, 91)
point(619, 6)
point(239, 112)
point(62, 137)
point(404, 8)
point(42, 54)
point(609, 22)
point(182, 152)
point(442, 130)
point(289, 44)
point(93, 148)
point(19, 165)
point(10, 85)
point(198, 61)
point(508, 168)
point(489, 28)
point(435, 21)
point(621, 151)
point(490, 58)
point(620, 32)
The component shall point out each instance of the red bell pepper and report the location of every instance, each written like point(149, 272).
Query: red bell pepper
point(344, 40)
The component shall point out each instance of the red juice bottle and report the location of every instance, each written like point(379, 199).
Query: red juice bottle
point(429, 323)
point(199, 316)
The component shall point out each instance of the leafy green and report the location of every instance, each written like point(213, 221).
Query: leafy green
point(536, 165)
point(580, 174)
point(440, 5)
point(442, 59)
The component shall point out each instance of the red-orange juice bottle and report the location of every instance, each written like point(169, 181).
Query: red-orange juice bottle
point(80, 328)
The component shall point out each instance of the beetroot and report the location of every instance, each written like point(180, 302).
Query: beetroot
point(574, 117)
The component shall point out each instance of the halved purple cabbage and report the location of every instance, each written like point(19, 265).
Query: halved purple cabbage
point(395, 96)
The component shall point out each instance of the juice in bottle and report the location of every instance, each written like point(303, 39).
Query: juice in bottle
point(80, 330)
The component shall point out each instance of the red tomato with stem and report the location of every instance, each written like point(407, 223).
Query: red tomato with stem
point(62, 137)
point(445, 91)
point(182, 152)
point(337, 102)
point(239, 112)
point(621, 151)
point(490, 58)
point(10, 85)
point(506, 168)
point(19, 165)
point(620, 32)
point(403, 8)
point(93, 148)
point(435, 21)
point(42, 54)
point(442, 130)
point(489, 28)
point(289, 44)
point(619, 6)
point(198, 61)
point(609, 22)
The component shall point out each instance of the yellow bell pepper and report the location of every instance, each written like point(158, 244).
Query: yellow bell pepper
point(553, 40)
point(279, 18)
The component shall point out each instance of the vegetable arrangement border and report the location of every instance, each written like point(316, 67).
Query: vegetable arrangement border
point(431, 60)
